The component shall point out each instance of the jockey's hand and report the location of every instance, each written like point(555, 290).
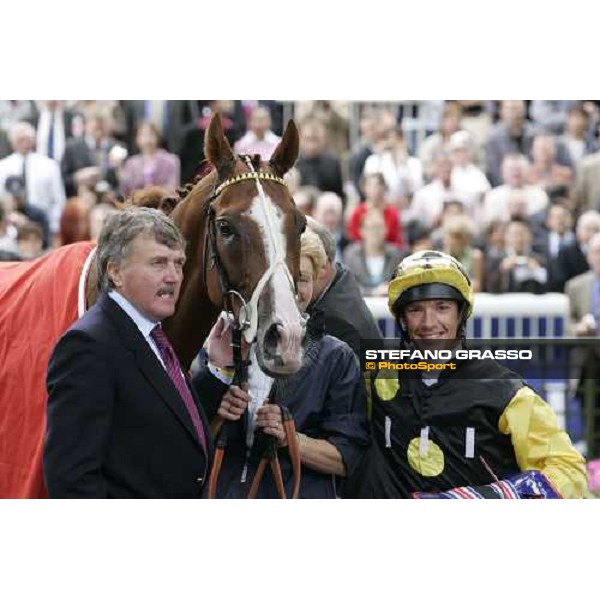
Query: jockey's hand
point(269, 421)
point(218, 344)
point(234, 402)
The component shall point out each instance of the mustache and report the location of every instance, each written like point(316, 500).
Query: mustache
point(166, 289)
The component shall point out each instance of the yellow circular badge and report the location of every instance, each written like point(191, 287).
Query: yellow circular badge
point(429, 464)
point(386, 384)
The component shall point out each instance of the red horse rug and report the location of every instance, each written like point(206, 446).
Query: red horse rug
point(39, 301)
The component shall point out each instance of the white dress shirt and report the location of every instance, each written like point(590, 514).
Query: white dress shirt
point(144, 324)
point(58, 133)
point(44, 183)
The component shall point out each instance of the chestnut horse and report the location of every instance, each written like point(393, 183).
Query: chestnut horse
point(243, 212)
point(243, 250)
point(243, 231)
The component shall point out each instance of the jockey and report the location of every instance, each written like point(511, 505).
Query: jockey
point(478, 431)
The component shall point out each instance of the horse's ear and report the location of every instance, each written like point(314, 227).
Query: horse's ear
point(216, 147)
point(286, 153)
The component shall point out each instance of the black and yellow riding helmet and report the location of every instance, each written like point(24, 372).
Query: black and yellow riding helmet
point(430, 275)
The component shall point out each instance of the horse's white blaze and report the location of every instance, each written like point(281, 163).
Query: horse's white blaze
point(285, 310)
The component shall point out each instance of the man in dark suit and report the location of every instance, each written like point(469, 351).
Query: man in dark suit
point(571, 259)
point(92, 159)
point(54, 128)
point(123, 421)
point(316, 164)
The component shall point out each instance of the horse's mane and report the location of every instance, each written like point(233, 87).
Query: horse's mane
point(153, 196)
point(205, 169)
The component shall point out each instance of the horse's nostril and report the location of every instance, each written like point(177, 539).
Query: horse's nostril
point(271, 338)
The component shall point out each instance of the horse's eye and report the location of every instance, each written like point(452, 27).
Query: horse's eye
point(225, 229)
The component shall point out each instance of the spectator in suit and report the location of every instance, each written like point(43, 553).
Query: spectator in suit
point(122, 419)
point(54, 128)
point(583, 292)
point(42, 183)
point(318, 166)
point(571, 260)
point(372, 260)
point(518, 269)
point(556, 233)
point(152, 166)
point(93, 159)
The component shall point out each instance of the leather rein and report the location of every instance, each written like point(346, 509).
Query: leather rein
point(245, 323)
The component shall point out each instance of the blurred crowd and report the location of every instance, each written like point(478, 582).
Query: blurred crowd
point(510, 188)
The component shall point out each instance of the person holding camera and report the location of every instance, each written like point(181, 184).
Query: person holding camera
point(518, 268)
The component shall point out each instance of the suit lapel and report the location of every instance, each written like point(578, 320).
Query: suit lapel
point(149, 364)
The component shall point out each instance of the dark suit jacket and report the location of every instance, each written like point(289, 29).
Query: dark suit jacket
point(77, 156)
point(117, 427)
point(324, 171)
point(570, 262)
point(347, 316)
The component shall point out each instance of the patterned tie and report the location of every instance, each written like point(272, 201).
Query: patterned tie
point(174, 372)
point(25, 177)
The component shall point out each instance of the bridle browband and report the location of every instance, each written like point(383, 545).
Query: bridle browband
point(256, 175)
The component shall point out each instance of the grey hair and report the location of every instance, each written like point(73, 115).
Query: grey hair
point(20, 128)
point(588, 219)
point(122, 228)
point(326, 237)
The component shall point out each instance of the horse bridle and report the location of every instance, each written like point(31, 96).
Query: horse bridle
point(247, 317)
point(246, 323)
